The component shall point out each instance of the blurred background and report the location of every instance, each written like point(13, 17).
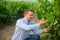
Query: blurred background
point(11, 10)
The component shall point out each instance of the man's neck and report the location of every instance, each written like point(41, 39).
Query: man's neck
point(28, 20)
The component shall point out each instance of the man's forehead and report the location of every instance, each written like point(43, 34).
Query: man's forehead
point(30, 12)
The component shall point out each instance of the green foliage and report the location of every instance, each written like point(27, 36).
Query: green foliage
point(10, 11)
point(50, 11)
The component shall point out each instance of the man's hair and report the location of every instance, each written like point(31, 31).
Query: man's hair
point(27, 10)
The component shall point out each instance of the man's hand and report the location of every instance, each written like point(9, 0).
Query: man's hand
point(43, 22)
point(45, 30)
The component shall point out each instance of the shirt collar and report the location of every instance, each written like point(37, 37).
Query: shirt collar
point(25, 19)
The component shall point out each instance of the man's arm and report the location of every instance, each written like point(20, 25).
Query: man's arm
point(24, 26)
point(36, 31)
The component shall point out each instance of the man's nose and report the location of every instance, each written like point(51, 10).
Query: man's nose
point(32, 16)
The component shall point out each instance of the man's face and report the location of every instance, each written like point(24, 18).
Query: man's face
point(29, 15)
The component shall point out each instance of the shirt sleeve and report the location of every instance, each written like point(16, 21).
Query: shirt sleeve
point(36, 31)
point(24, 26)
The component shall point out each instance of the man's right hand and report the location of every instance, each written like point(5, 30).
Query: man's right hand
point(46, 30)
point(43, 22)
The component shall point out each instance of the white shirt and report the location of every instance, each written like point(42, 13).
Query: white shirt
point(23, 27)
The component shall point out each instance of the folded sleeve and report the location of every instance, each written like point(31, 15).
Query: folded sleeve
point(36, 31)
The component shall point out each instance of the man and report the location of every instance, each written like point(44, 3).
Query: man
point(25, 25)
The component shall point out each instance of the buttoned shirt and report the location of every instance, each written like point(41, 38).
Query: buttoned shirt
point(23, 27)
